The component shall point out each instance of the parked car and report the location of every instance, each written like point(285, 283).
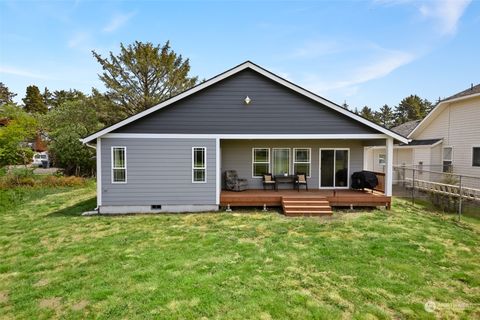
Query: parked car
point(41, 159)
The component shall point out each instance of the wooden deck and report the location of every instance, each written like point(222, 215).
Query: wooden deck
point(336, 198)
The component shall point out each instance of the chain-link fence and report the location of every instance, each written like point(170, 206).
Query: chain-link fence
point(447, 191)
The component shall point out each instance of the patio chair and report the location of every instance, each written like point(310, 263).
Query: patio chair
point(269, 181)
point(233, 182)
point(301, 180)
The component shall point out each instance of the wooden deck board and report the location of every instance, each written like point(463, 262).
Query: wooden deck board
point(337, 198)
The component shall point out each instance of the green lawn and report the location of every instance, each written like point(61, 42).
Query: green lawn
point(365, 265)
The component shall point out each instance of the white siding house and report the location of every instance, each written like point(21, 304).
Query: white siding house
point(449, 135)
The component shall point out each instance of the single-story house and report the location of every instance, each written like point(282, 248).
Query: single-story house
point(447, 139)
point(172, 157)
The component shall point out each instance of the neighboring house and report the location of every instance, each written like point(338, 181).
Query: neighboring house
point(171, 157)
point(448, 139)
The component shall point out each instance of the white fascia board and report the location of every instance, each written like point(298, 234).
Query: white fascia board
point(438, 108)
point(243, 136)
point(267, 74)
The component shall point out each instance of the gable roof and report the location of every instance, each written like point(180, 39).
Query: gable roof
point(405, 128)
point(235, 70)
point(472, 92)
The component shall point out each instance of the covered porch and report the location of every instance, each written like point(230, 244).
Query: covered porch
point(327, 163)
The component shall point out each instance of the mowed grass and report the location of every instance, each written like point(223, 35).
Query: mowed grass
point(55, 263)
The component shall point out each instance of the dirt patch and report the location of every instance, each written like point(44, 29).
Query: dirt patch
point(41, 283)
point(51, 303)
point(82, 304)
point(3, 297)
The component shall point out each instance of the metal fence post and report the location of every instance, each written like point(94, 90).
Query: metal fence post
point(460, 199)
point(413, 186)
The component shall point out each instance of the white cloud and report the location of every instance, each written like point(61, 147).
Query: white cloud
point(21, 73)
point(78, 40)
point(381, 67)
point(117, 21)
point(446, 12)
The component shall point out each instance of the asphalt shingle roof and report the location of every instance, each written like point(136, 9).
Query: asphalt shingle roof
point(405, 128)
point(469, 91)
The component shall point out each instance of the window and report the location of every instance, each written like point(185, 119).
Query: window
point(382, 159)
point(261, 162)
point(301, 161)
point(447, 159)
point(476, 156)
point(199, 165)
point(281, 161)
point(119, 164)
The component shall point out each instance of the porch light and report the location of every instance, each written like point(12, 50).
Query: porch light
point(247, 100)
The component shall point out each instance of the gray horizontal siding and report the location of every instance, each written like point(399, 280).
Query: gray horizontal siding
point(220, 108)
point(237, 155)
point(159, 171)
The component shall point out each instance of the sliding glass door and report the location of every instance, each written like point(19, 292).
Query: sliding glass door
point(281, 161)
point(334, 168)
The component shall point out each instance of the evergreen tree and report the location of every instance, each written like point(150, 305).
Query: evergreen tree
point(34, 100)
point(143, 75)
point(47, 98)
point(385, 116)
point(62, 96)
point(367, 113)
point(6, 96)
point(412, 108)
point(345, 105)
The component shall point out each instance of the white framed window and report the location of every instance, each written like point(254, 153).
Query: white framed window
point(119, 164)
point(281, 161)
point(382, 159)
point(447, 159)
point(260, 162)
point(199, 165)
point(302, 161)
point(476, 156)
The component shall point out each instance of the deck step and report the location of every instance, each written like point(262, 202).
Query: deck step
point(306, 206)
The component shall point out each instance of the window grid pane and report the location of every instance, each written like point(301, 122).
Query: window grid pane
point(199, 164)
point(476, 157)
point(199, 158)
point(447, 154)
point(301, 161)
point(119, 158)
point(261, 161)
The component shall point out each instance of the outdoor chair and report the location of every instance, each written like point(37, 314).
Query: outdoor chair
point(233, 182)
point(269, 181)
point(301, 180)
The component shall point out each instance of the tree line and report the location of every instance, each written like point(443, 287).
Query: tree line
point(140, 76)
point(410, 108)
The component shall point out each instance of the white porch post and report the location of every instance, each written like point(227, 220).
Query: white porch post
point(99, 172)
point(218, 183)
point(389, 166)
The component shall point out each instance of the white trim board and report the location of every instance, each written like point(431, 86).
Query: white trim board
point(243, 136)
point(268, 74)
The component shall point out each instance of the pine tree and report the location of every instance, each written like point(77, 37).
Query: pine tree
point(385, 116)
point(34, 100)
point(412, 108)
point(6, 96)
point(368, 114)
point(47, 98)
point(143, 75)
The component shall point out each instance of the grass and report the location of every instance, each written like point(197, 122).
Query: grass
point(55, 263)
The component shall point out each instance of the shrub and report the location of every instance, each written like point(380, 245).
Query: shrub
point(445, 202)
point(26, 177)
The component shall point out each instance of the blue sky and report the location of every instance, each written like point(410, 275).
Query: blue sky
point(363, 52)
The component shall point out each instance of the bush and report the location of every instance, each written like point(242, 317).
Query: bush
point(445, 202)
point(26, 177)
